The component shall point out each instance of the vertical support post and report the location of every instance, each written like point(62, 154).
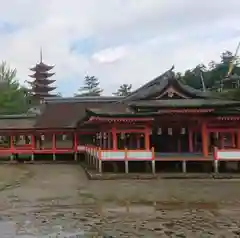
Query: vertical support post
point(109, 140)
point(153, 161)
point(126, 161)
point(179, 145)
point(75, 145)
point(114, 137)
point(54, 142)
point(33, 147)
point(233, 139)
point(99, 161)
point(190, 140)
point(221, 140)
point(138, 141)
point(238, 138)
point(146, 138)
point(11, 142)
point(11, 147)
point(215, 161)
point(204, 139)
point(184, 166)
point(54, 146)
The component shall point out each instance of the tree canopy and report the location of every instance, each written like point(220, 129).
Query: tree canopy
point(124, 90)
point(13, 97)
point(214, 76)
point(91, 87)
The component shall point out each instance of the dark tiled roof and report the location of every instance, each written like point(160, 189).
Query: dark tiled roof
point(157, 85)
point(185, 103)
point(83, 99)
point(21, 121)
point(227, 112)
point(66, 112)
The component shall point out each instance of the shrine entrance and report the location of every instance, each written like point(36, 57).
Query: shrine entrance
point(170, 140)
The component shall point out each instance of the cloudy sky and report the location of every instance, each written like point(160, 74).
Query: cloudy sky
point(119, 41)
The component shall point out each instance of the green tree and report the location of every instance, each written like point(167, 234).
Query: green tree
point(90, 88)
point(124, 90)
point(13, 97)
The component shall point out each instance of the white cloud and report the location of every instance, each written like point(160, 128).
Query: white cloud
point(136, 40)
point(110, 55)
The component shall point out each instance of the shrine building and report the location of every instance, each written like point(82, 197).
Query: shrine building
point(164, 120)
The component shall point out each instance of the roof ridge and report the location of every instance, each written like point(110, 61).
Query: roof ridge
point(151, 83)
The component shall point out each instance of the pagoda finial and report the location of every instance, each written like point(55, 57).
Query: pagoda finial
point(41, 55)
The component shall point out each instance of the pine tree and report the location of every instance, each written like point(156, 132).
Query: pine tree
point(124, 90)
point(90, 88)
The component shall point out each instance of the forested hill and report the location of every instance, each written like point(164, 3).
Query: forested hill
point(213, 74)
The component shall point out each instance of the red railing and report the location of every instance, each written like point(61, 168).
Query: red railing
point(120, 155)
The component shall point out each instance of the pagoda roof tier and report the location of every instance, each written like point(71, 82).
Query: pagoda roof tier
point(185, 103)
point(42, 67)
point(41, 75)
point(41, 83)
point(42, 88)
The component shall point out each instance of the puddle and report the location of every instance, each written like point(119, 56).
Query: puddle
point(130, 209)
point(156, 206)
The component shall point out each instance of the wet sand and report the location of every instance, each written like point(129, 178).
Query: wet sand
point(60, 196)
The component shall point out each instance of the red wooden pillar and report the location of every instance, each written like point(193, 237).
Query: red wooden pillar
point(138, 141)
point(54, 142)
point(109, 140)
point(204, 139)
point(221, 137)
point(238, 139)
point(33, 143)
point(146, 138)
point(75, 141)
point(179, 145)
point(233, 142)
point(114, 138)
point(11, 142)
point(190, 140)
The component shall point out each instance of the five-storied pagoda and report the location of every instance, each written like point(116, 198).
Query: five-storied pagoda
point(41, 86)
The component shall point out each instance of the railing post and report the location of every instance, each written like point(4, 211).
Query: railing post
point(99, 161)
point(75, 145)
point(184, 166)
point(126, 160)
point(153, 161)
point(215, 161)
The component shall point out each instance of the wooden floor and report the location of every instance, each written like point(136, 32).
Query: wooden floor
point(181, 156)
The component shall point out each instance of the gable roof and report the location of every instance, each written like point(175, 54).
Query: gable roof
point(66, 112)
point(185, 103)
point(159, 84)
point(17, 122)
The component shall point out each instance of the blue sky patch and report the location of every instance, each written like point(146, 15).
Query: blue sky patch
point(85, 46)
point(8, 28)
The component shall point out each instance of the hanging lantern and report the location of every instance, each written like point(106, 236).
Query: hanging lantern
point(159, 132)
point(21, 137)
point(42, 137)
point(64, 137)
point(169, 131)
point(122, 136)
point(150, 132)
point(142, 135)
point(104, 135)
point(183, 131)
